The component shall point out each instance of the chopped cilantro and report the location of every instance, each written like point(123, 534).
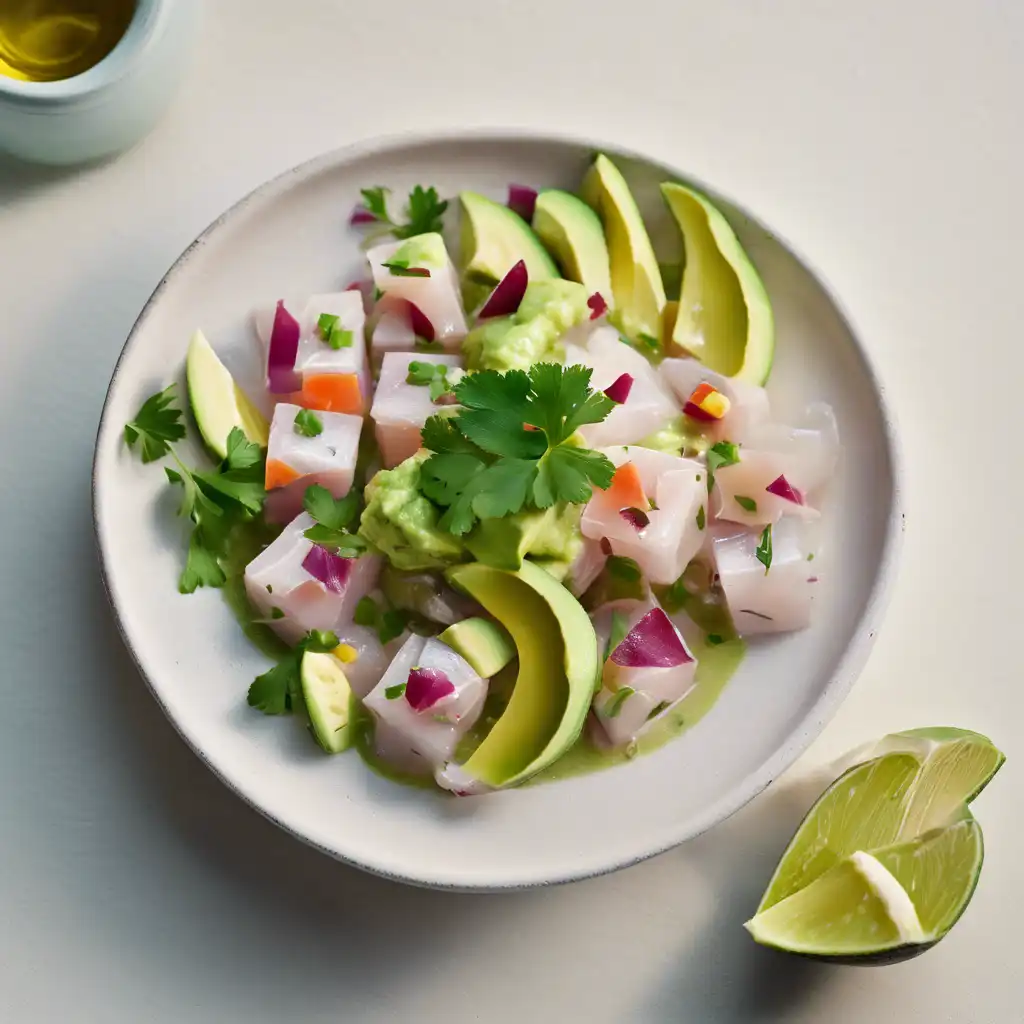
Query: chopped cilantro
point(486, 464)
point(810, 557)
point(431, 375)
point(308, 424)
point(658, 708)
point(333, 518)
point(748, 504)
point(701, 518)
point(389, 622)
point(614, 707)
point(764, 549)
point(401, 268)
point(725, 453)
point(424, 211)
point(394, 692)
point(157, 423)
point(276, 613)
point(620, 628)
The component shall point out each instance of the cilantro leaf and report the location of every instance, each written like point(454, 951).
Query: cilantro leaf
point(701, 518)
point(279, 689)
point(202, 566)
point(764, 549)
point(441, 435)
point(566, 474)
point(424, 211)
point(503, 488)
point(725, 453)
point(495, 414)
point(242, 453)
point(394, 692)
point(444, 477)
point(333, 518)
point(376, 201)
point(157, 423)
point(745, 503)
point(308, 424)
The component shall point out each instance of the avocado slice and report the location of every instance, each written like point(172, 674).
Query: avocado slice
point(218, 403)
point(484, 644)
point(724, 318)
point(493, 239)
point(558, 670)
point(638, 292)
point(328, 699)
point(572, 233)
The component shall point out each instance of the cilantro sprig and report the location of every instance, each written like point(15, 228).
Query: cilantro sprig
point(725, 453)
point(424, 211)
point(764, 549)
point(512, 445)
point(333, 518)
point(279, 689)
point(156, 424)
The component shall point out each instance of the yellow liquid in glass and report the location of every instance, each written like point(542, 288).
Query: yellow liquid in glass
point(48, 40)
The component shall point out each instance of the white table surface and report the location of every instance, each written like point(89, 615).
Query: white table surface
point(885, 141)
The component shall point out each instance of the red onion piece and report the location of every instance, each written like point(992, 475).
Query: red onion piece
point(652, 643)
point(636, 517)
point(505, 299)
point(282, 351)
point(421, 325)
point(695, 412)
point(361, 215)
point(522, 200)
point(619, 389)
point(782, 488)
point(330, 569)
point(426, 686)
point(598, 307)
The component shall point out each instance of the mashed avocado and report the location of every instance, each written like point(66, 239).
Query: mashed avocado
point(531, 334)
point(402, 524)
point(674, 437)
point(552, 535)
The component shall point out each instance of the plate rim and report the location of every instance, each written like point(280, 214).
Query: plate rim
point(850, 663)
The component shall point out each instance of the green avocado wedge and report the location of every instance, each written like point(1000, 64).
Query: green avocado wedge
point(493, 239)
point(572, 233)
point(218, 403)
point(638, 292)
point(724, 318)
point(484, 644)
point(558, 670)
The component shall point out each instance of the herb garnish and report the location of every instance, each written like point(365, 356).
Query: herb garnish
point(701, 518)
point(308, 424)
point(431, 375)
point(725, 453)
point(487, 464)
point(388, 623)
point(333, 518)
point(394, 692)
point(424, 211)
point(748, 504)
point(156, 424)
point(279, 689)
point(764, 549)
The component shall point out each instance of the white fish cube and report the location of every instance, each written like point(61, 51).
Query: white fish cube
point(741, 496)
point(295, 461)
point(748, 403)
point(776, 601)
point(673, 535)
point(433, 733)
point(399, 408)
point(333, 379)
point(649, 405)
point(651, 692)
point(276, 579)
point(436, 296)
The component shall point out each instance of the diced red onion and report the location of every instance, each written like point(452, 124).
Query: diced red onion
point(505, 299)
point(782, 488)
point(636, 517)
point(361, 215)
point(421, 325)
point(522, 200)
point(812, 579)
point(619, 389)
point(652, 643)
point(598, 307)
point(330, 569)
point(282, 351)
point(426, 686)
point(695, 412)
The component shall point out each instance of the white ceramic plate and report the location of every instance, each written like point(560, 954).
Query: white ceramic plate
point(290, 238)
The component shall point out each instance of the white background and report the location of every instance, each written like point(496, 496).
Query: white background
point(884, 140)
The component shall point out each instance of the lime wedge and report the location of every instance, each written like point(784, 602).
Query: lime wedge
point(921, 781)
point(889, 855)
point(903, 895)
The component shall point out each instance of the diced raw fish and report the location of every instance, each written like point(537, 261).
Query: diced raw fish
point(400, 409)
point(811, 448)
point(776, 601)
point(392, 330)
point(456, 780)
point(741, 492)
point(649, 405)
point(275, 578)
point(748, 403)
point(333, 379)
point(655, 689)
point(371, 657)
point(437, 296)
point(673, 535)
point(586, 566)
point(295, 461)
point(433, 732)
